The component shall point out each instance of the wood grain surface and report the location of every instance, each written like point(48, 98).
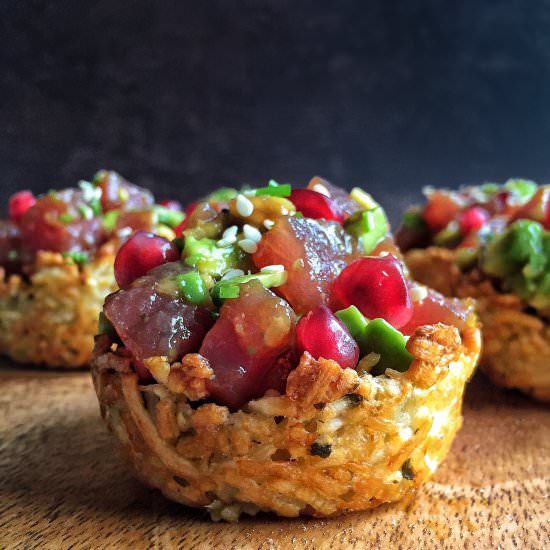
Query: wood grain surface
point(62, 484)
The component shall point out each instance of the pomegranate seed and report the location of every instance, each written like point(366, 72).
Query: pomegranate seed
point(316, 205)
point(171, 205)
point(322, 334)
point(19, 203)
point(140, 253)
point(377, 287)
point(472, 219)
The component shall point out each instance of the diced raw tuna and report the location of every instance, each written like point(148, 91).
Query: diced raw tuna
point(151, 321)
point(313, 254)
point(435, 308)
point(250, 346)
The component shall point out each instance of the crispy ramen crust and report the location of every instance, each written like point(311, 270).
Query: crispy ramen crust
point(334, 442)
point(50, 318)
point(516, 344)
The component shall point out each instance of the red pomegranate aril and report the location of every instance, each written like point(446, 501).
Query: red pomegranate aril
point(171, 204)
point(19, 203)
point(141, 253)
point(472, 219)
point(322, 334)
point(377, 287)
point(316, 205)
point(340, 196)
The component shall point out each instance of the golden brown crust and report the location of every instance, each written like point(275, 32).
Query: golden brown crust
point(516, 344)
point(334, 442)
point(50, 316)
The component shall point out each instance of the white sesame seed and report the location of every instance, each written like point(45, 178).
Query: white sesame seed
point(222, 243)
point(268, 224)
point(418, 293)
point(248, 246)
point(230, 233)
point(230, 273)
point(125, 232)
point(251, 233)
point(320, 188)
point(244, 206)
point(284, 211)
point(275, 268)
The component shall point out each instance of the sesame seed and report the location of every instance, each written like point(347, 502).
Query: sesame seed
point(320, 188)
point(230, 233)
point(248, 246)
point(275, 268)
point(268, 224)
point(222, 243)
point(251, 233)
point(418, 293)
point(230, 273)
point(244, 206)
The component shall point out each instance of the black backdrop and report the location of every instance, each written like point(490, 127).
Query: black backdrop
point(189, 95)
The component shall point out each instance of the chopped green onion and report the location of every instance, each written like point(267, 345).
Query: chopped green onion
point(66, 218)
point(109, 220)
point(223, 194)
point(272, 183)
point(363, 198)
point(369, 226)
point(297, 215)
point(191, 287)
point(95, 205)
point(166, 216)
point(92, 195)
point(13, 255)
point(78, 257)
point(86, 212)
point(229, 291)
point(283, 190)
point(226, 288)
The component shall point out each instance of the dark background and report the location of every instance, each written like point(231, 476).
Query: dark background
point(187, 96)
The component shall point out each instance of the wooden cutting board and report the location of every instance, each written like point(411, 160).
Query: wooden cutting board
point(62, 485)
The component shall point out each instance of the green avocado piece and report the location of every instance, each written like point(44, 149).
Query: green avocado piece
point(519, 246)
point(209, 259)
point(381, 338)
